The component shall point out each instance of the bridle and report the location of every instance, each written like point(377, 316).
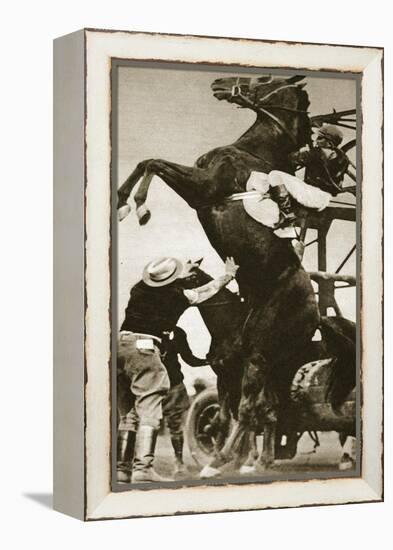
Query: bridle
point(262, 108)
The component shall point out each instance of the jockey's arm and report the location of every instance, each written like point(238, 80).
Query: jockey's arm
point(201, 294)
point(300, 159)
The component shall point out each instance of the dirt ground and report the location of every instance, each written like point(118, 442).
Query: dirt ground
point(324, 458)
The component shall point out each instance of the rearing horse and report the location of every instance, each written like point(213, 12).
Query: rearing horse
point(282, 314)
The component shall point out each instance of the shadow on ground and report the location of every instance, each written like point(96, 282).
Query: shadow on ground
point(45, 499)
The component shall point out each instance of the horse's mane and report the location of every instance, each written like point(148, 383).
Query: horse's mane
point(305, 122)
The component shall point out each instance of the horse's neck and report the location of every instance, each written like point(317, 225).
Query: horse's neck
point(261, 277)
point(220, 312)
point(265, 141)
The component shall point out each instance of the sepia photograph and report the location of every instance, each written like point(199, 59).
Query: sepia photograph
point(220, 348)
point(235, 250)
point(199, 234)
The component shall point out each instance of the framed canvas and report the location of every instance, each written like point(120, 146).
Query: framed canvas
point(218, 274)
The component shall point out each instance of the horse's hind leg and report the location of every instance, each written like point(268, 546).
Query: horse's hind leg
point(348, 457)
point(249, 466)
point(259, 405)
point(267, 456)
point(225, 455)
point(223, 422)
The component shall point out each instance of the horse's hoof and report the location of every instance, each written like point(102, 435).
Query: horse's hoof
point(346, 463)
point(208, 472)
point(264, 467)
point(247, 469)
point(143, 214)
point(180, 472)
point(123, 212)
point(123, 476)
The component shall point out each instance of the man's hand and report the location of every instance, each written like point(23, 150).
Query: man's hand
point(123, 212)
point(231, 268)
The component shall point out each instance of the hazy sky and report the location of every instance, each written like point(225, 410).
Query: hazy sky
point(173, 115)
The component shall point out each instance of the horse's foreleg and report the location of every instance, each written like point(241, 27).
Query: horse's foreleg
point(125, 189)
point(177, 177)
point(142, 211)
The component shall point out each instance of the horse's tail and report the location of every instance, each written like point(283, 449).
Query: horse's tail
point(184, 350)
point(339, 335)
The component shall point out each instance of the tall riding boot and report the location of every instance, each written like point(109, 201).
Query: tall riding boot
point(125, 454)
point(177, 444)
point(142, 468)
point(284, 201)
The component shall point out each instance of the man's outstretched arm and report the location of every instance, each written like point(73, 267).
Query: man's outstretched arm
point(201, 294)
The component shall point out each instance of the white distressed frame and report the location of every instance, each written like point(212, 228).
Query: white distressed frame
point(101, 46)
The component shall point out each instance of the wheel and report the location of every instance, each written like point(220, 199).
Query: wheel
point(351, 171)
point(200, 429)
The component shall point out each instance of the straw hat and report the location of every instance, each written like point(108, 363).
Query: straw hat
point(162, 272)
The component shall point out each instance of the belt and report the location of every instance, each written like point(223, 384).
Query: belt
point(139, 335)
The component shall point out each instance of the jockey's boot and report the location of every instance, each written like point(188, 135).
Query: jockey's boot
point(125, 454)
point(142, 468)
point(177, 444)
point(281, 196)
point(299, 248)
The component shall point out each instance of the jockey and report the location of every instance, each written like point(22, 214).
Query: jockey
point(325, 163)
point(325, 166)
point(155, 305)
point(272, 205)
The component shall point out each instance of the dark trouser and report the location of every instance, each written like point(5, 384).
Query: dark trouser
point(175, 405)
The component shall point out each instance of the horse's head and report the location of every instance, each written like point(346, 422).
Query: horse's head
point(281, 100)
point(262, 91)
point(193, 276)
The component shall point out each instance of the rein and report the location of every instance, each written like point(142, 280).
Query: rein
point(216, 304)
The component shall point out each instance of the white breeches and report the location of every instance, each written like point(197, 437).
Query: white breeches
point(307, 195)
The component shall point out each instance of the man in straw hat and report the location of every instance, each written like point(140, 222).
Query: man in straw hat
point(155, 305)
